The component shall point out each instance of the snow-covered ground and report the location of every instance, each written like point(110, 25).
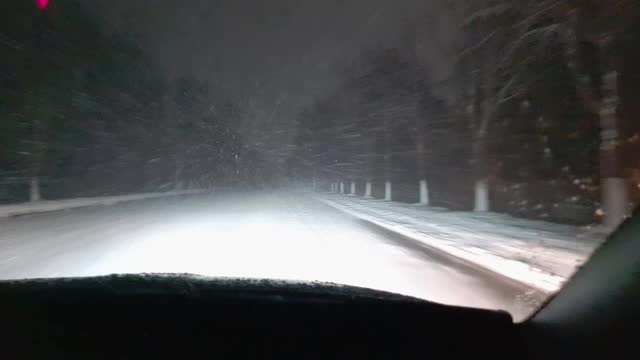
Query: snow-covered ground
point(540, 254)
point(261, 235)
point(55, 205)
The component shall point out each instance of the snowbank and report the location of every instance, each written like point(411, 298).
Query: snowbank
point(55, 205)
point(540, 254)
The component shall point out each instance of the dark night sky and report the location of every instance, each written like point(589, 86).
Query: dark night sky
point(275, 57)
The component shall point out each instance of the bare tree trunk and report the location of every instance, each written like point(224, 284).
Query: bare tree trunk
point(422, 177)
point(481, 186)
point(615, 200)
point(387, 162)
point(177, 178)
point(600, 96)
point(424, 192)
point(388, 196)
point(38, 142)
point(34, 189)
point(370, 159)
point(481, 196)
point(315, 181)
point(479, 154)
point(34, 181)
point(483, 89)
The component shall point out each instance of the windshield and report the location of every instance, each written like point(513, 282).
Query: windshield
point(471, 153)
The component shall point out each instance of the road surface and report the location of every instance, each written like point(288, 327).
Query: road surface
point(251, 235)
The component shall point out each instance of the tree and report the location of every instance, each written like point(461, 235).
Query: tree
point(587, 34)
point(88, 113)
point(356, 132)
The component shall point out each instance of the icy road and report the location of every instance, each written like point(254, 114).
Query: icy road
point(252, 235)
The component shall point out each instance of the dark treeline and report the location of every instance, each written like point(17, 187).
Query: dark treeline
point(538, 118)
point(84, 112)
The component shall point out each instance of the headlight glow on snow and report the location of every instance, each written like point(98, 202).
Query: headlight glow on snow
point(266, 247)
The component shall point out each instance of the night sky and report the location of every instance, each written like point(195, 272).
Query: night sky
point(275, 57)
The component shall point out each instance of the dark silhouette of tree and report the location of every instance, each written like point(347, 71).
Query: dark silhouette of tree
point(86, 112)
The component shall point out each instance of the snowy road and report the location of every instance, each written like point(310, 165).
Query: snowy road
point(258, 235)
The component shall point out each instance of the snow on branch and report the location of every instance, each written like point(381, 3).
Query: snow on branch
point(487, 12)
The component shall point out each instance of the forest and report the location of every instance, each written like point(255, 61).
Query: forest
point(84, 112)
point(538, 118)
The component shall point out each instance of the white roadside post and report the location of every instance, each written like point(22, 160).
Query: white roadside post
point(424, 193)
point(353, 188)
point(387, 190)
point(367, 189)
point(341, 187)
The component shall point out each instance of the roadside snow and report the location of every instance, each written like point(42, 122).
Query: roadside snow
point(540, 254)
point(55, 205)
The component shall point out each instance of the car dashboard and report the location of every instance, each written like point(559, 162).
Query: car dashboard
point(143, 316)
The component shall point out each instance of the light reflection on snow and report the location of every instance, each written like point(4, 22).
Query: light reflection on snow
point(255, 249)
point(275, 236)
point(276, 247)
point(502, 248)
